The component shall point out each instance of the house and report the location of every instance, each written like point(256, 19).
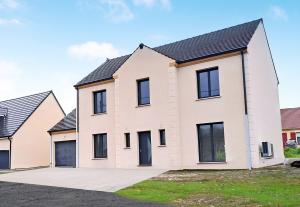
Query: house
point(24, 141)
point(63, 142)
point(206, 102)
point(290, 122)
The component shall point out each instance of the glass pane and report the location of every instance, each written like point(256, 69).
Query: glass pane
point(162, 137)
point(219, 144)
point(214, 83)
point(104, 146)
point(103, 102)
point(203, 84)
point(205, 144)
point(144, 93)
point(96, 146)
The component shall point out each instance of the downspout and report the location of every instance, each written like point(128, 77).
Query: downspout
point(51, 152)
point(9, 138)
point(246, 121)
point(77, 126)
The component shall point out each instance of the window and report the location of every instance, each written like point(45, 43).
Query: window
point(100, 102)
point(211, 142)
point(100, 146)
point(162, 137)
point(298, 138)
point(208, 83)
point(127, 140)
point(143, 92)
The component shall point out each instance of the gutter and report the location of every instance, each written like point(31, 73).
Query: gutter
point(246, 120)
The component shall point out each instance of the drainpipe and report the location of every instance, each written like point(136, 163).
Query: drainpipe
point(51, 151)
point(9, 138)
point(246, 120)
point(77, 127)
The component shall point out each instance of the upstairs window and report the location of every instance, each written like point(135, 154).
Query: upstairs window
point(208, 83)
point(100, 102)
point(127, 140)
point(143, 91)
point(100, 146)
point(162, 137)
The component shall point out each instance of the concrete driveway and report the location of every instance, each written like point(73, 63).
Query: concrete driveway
point(108, 180)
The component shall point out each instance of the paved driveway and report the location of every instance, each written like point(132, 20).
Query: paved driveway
point(26, 195)
point(108, 180)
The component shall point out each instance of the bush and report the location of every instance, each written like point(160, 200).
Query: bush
point(291, 152)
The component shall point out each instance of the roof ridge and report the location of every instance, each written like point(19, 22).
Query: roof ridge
point(229, 27)
point(27, 96)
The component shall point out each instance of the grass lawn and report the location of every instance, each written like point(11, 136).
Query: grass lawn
point(274, 186)
point(292, 153)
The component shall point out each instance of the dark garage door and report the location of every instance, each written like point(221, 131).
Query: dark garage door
point(4, 159)
point(65, 154)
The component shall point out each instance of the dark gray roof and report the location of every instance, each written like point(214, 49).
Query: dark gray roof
point(67, 123)
point(214, 43)
point(18, 111)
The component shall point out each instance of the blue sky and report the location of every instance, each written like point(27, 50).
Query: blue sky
point(51, 45)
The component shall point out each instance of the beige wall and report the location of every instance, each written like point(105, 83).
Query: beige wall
point(4, 144)
point(59, 137)
point(228, 108)
point(90, 124)
point(263, 100)
point(31, 143)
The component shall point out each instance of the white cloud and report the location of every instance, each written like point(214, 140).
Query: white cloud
point(166, 4)
point(10, 74)
point(9, 21)
point(278, 12)
point(93, 50)
point(9, 4)
point(117, 10)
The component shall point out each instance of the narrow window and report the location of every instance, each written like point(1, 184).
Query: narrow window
point(127, 140)
point(211, 142)
point(100, 102)
point(143, 92)
point(208, 83)
point(162, 137)
point(100, 146)
point(298, 138)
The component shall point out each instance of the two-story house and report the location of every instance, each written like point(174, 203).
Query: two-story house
point(206, 102)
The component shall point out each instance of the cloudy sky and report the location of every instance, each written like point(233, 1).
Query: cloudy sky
point(51, 45)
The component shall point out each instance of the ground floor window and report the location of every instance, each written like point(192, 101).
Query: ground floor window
point(100, 145)
point(211, 142)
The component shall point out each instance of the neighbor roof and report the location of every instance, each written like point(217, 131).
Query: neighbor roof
point(18, 110)
point(290, 118)
point(67, 123)
point(231, 39)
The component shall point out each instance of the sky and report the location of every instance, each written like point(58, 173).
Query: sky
point(51, 45)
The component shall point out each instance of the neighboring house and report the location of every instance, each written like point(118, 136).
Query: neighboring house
point(207, 102)
point(290, 122)
point(63, 142)
point(24, 141)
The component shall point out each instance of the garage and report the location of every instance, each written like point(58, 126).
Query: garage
point(4, 159)
point(65, 154)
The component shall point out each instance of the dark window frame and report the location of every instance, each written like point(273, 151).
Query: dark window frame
point(214, 160)
point(127, 140)
point(103, 106)
point(207, 70)
point(139, 91)
point(162, 137)
point(103, 153)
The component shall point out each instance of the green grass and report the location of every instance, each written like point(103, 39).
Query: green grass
point(292, 153)
point(276, 189)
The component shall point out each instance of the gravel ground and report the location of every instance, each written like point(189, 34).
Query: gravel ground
point(16, 194)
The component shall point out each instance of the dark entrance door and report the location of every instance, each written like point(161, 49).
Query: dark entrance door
point(145, 148)
point(4, 159)
point(65, 154)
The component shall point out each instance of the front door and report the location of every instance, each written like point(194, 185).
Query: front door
point(145, 148)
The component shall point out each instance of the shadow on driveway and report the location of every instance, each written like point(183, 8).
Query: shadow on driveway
point(16, 194)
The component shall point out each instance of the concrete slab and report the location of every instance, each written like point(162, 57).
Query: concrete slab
point(108, 180)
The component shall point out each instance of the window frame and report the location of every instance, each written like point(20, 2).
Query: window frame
point(214, 160)
point(139, 91)
point(298, 138)
point(101, 156)
point(162, 132)
point(95, 102)
point(207, 70)
point(127, 140)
